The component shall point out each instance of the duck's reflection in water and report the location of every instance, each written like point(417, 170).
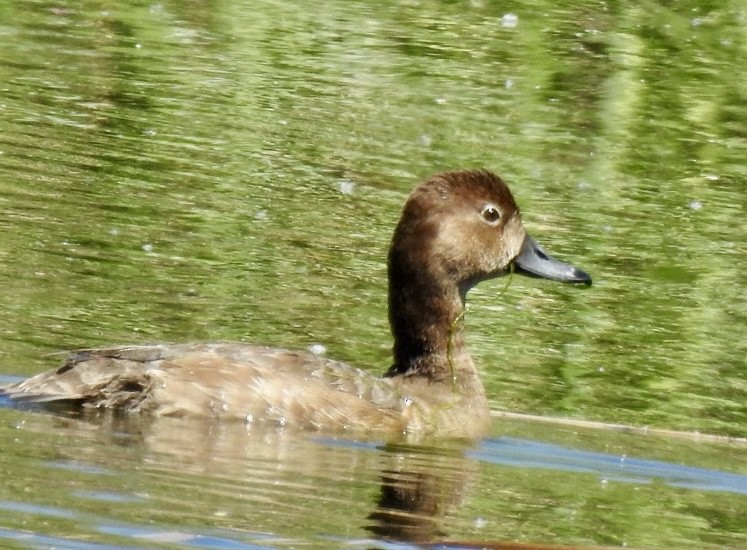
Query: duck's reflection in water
point(253, 481)
point(420, 485)
point(270, 477)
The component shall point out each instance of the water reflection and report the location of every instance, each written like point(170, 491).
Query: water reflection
point(246, 480)
point(268, 470)
point(419, 486)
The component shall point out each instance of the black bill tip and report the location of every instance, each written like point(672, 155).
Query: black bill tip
point(535, 262)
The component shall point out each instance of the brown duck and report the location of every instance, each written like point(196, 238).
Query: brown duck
point(456, 229)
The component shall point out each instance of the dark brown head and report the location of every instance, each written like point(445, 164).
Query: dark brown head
point(462, 227)
point(456, 229)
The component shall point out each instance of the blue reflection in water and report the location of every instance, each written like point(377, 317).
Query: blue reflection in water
point(524, 453)
point(41, 541)
point(146, 535)
point(183, 538)
point(108, 496)
point(37, 509)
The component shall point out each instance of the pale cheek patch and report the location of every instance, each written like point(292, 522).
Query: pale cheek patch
point(513, 237)
point(476, 251)
point(453, 241)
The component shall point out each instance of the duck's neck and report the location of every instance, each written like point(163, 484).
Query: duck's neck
point(426, 313)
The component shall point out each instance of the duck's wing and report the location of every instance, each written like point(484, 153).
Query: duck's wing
point(223, 380)
point(89, 375)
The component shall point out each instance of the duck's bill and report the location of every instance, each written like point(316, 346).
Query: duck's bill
point(535, 262)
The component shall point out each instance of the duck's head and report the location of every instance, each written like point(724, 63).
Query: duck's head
point(456, 229)
point(465, 227)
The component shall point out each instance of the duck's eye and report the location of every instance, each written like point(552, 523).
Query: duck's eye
point(491, 214)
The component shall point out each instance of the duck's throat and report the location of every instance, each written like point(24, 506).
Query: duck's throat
point(427, 320)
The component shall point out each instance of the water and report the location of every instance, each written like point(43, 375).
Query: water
point(193, 483)
point(233, 171)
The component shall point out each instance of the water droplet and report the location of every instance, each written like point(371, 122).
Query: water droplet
point(346, 187)
point(509, 20)
point(317, 349)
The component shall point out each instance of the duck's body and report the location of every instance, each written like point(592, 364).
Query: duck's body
point(234, 381)
point(456, 230)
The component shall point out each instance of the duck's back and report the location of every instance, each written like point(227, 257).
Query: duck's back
point(222, 380)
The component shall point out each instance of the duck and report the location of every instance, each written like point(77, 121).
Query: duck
point(457, 229)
